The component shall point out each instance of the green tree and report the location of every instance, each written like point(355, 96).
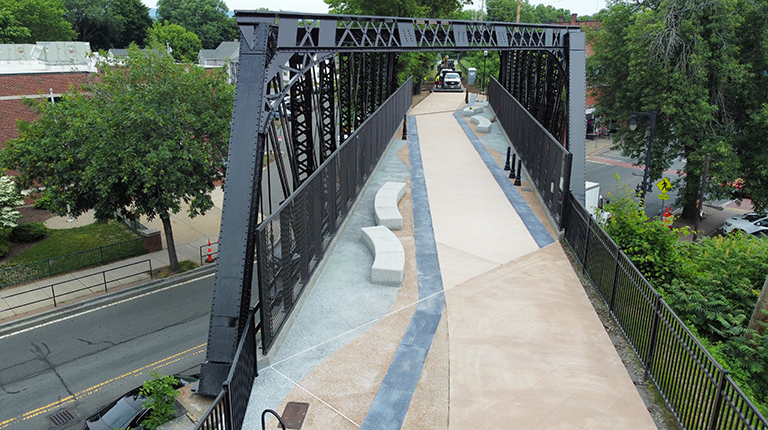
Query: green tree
point(208, 19)
point(680, 61)
point(11, 29)
point(160, 395)
point(506, 11)
point(144, 138)
point(44, 19)
point(184, 44)
point(109, 23)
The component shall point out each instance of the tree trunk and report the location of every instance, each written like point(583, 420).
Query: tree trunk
point(759, 316)
point(169, 241)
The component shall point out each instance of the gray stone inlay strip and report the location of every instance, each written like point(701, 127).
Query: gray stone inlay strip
point(393, 399)
point(531, 221)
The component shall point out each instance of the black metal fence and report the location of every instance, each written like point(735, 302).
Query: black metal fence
point(696, 388)
point(293, 240)
point(547, 161)
point(229, 407)
point(66, 289)
point(65, 263)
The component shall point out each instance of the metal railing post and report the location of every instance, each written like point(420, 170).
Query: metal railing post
point(718, 399)
point(104, 276)
point(648, 362)
point(53, 293)
point(586, 245)
point(151, 275)
point(615, 280)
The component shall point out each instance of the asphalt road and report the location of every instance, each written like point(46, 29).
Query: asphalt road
point(85, 361)
point(602, 168)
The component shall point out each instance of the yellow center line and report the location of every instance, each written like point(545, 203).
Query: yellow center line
point(88, 391)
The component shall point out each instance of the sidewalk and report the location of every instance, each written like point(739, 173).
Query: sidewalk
point(515, 343)
point(189, 234)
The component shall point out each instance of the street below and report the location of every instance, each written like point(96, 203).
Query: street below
point(81, 363)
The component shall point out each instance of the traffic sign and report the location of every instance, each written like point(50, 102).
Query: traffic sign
point(664, 185)
point(663, 196)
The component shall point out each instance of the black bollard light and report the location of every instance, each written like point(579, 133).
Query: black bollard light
point(506, 163)
point(512, 167)
point(519, 172)
point(405, 127)
point(466, 96)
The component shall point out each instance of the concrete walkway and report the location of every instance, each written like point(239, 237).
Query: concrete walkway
point(518, 345)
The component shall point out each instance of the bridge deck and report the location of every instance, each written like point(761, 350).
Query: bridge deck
point(491, 328)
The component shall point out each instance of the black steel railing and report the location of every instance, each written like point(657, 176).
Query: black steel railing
point(292, 240)
point(65, 263)
point(693, 384)
point(547, 161)
point(229, 407)
point(97, 280)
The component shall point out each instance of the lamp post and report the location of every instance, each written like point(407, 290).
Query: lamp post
point(645, 186)
point(485, 71)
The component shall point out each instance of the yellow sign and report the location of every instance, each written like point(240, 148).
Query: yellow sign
point(664, 185)
point(663, 196)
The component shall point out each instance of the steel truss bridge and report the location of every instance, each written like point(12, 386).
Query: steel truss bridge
point(306, 83)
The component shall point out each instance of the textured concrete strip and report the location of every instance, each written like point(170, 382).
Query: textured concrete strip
point(531, 221)
point(391, 403)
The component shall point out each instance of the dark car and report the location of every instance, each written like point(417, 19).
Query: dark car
point(125, 412)
point(128, 411)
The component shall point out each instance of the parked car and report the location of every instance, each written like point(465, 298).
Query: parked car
point(128, 411)
point(452, 80)
point(749, 223)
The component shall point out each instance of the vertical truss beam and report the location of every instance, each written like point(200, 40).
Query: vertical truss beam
point(346, 95)
point(327, 108)
point(302, 121)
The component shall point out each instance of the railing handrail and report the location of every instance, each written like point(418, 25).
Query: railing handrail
point(53, 286)
point(52, 260)
point(710, 411)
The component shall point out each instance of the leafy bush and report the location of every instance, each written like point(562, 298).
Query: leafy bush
point(160, 395)
point(29, 232)
point(5, 246)
point(44, 202)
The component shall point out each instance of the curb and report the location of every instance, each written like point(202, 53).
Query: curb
point(50, 315)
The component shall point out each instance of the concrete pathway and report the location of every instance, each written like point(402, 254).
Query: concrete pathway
point(518, 345)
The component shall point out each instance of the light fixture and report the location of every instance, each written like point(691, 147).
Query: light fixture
point(633, 122)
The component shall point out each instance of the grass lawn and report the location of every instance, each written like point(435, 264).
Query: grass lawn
point(60, 242)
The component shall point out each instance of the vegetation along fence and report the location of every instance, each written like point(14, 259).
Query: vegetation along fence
point(696, 388)
point(60, 291)
point(67, 262)
point(293, 240)
point(229, 407)
point(547, 161)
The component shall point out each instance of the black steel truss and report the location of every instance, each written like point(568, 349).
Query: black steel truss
point(299, 76)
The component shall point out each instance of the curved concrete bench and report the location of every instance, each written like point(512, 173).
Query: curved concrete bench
point(385, 205)
point(388, 255)
point(483, 124)
point(467, 111)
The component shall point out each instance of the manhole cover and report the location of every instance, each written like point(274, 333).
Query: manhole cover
point(61, 418)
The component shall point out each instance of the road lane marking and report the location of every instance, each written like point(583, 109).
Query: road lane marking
point(88, 391)
point(104, 307)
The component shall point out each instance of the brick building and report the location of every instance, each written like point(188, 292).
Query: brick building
point(42, 70)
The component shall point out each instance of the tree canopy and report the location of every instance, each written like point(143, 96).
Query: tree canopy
point(184, 44)
point(31, 21)
point(208, 19)
point(143, 138)
point(109, 23)
point(701, 67)
point(506, 11)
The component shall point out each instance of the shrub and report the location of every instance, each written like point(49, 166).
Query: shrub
point(5, 246)
point(160, 395)
point(29, 232)
point(44, 202)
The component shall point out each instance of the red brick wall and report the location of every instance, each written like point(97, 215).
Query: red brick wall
point(31, 84)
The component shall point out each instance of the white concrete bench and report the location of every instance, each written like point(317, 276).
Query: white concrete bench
point(483, 124)
point(385, 205)
point(388, 255)
point(469, 111)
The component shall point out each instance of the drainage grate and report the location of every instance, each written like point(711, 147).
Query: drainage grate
point(61, 418)
point(294, 414)
point(525, 189)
